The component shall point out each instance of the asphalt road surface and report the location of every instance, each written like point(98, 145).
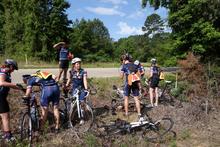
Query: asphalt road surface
point(92, 72)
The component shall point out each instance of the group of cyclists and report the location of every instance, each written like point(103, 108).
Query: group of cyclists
point(131, 72)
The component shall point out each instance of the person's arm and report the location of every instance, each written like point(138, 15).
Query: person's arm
point(122, 72)
point(69, 79)
point(85, 80)
point(58, 45)
point(7, 84)
point(30, 84)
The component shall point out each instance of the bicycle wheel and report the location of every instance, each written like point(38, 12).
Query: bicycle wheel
point(158, 129)
point(87, 118)
point(26, 128)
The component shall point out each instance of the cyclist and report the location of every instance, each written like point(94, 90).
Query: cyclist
point(140, 67)
point(78, 78)
point(154, 81)
point(49, 93)
point(129, 70)
point(64, 57)
point(5, 84)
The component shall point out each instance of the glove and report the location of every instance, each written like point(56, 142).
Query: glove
point(21, 87)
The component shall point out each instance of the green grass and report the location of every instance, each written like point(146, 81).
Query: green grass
point(36, 63)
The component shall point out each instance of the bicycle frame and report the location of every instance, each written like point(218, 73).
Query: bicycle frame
point(76, 102)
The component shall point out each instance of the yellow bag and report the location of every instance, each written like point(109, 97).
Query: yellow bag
point(42, 74)
point(161, 75)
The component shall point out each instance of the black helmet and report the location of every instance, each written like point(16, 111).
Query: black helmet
point(11, 62)
point(26, 77)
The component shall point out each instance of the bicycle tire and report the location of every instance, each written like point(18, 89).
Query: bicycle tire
point(88, 119)
point(26, 128)
point(158, 130)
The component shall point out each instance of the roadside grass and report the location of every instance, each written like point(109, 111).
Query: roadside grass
point(36, 63)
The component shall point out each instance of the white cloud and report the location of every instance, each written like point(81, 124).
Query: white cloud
point(115, 2)
point(105, 11)
point(125, 29)
point(136, 15)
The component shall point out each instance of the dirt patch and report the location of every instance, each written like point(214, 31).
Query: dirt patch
point(194, 128)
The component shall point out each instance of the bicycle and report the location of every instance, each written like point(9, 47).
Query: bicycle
point(149, 129)
point(30, 121)
point(117, 101)
point(80, 114)
point(165, 95)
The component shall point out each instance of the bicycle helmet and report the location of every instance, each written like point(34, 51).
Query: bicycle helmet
point(11, 62)
point(76, 60)
point(153, 61)
point(26, 77)
point(136, 62)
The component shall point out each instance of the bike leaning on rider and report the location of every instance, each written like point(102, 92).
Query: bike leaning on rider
point(49, 93)
point(78, 79)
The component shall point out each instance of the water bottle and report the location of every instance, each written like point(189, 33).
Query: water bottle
point(34, 115)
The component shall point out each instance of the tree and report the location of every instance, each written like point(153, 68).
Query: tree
point(153, 25)
point(195, 26)
point(1, 27)
point(31, 27)
point(90, 40)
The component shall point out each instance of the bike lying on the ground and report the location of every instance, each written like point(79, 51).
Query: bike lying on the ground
point(149, 129)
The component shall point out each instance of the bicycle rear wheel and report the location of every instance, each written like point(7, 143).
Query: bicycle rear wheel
point(158, 129)
point(26, 128)
point(87, 118)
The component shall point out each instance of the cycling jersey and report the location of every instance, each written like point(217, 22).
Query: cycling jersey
point(7, 75)
point(127, 69)
point(49, 90)
point(63, 54)
point(154, 81)
point(77, 78)
point(4, 106)
point(77, 82)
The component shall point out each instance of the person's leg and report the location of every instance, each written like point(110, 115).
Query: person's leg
point(43, 116)
point(126, 104)
point(57, 116)
point(60, 73)
point(151, 96)
point(65, 75)
point(5, 121)
point(156, 96)
point(126, 94)
point(137, 103)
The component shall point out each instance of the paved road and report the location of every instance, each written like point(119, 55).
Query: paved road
point(92, 72)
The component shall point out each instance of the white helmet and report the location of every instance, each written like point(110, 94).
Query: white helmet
point(76, 60)
point(153, 61)
point(136, 62)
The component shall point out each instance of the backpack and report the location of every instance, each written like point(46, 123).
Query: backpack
point(42, 75)
point(133, 75)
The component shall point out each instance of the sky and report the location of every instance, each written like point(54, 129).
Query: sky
point(122, 17)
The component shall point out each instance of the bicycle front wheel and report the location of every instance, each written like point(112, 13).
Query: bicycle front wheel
point(84, 123)
point(158, 129)
point(26, 128)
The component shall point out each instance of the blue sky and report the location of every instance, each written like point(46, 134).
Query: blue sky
point(122, 17)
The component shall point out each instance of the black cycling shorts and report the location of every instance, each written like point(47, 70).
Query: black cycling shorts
point(64, 64)
point(154, 82)
point(4, 106)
